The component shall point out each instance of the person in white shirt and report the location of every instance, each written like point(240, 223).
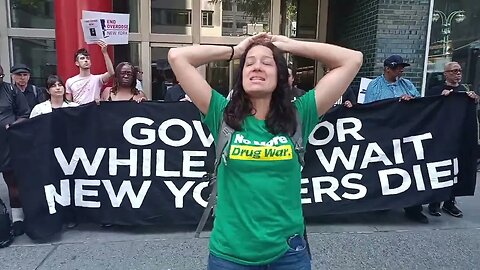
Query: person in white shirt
point(86, 87)
point(139, 74)
point(56, 97)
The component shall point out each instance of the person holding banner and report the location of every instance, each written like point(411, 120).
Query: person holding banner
point(124, 85)
point(85, 87)
point(392, 85)
point(13, 109)
point(56, 98)
point(453, 77)
point(258, 218)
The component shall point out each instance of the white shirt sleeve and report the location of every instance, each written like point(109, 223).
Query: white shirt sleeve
point(139, 85)
point(36, 111)
point(68, 90)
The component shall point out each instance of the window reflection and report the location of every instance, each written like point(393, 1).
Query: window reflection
point(299, 18)
point(130, 7)
point(39, 55)
point(455, 36)
point(236, 17)
point(127, 53)
point(171, 17)
point(304, 77)
point(162, 75)
point(32, 14)
point(218, 76)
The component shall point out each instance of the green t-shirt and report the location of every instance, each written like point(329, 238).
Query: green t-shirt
point(259, 204)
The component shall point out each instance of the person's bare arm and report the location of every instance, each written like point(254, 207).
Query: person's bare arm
point(108, 62)
point(343, 63)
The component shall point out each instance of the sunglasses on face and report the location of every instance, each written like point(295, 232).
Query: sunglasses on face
point(457, 70)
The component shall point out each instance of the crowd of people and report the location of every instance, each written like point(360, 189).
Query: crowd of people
point(261, 106)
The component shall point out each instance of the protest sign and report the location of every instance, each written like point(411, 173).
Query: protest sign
point(113, 28)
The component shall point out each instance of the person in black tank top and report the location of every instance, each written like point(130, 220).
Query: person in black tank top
point(124, 85)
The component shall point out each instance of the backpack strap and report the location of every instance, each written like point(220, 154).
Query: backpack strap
point(221, 150)
point(297, 140)
point(35, 93)
point(221, 153)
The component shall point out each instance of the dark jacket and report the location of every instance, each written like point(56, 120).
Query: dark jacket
point(175, 93)
point(349, 95)
point(33, 94)
point(13, 106)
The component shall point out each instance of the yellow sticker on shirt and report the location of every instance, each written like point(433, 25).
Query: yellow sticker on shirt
point(261, 153)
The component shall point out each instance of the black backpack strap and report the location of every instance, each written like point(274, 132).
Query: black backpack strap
point(297, 140)
point(221, 153)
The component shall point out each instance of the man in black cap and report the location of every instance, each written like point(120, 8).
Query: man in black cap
point(13, 109)
point(21, 77)
point(392, 85)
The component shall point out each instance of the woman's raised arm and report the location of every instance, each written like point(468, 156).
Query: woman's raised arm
point(343, 63)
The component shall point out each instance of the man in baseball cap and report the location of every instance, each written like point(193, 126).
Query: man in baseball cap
point(394, 61)
point(391, 84)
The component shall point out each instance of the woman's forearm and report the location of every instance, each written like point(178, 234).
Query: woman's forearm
point(200, 55)
point(331, 55)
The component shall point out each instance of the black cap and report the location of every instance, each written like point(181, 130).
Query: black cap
point(20, 68)
point(395, 61)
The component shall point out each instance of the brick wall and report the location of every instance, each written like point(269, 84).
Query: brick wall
point(380, 28)
point(353, 24)
point(402, 29)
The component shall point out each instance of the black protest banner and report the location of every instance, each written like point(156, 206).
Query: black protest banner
point(119, 162)
point(391, 154)
point(128, 163)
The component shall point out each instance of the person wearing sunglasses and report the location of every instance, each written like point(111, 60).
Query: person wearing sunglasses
point(453, 78)
point(392, 85)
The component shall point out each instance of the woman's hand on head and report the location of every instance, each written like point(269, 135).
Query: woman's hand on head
point(281, 42)
point(241, 47)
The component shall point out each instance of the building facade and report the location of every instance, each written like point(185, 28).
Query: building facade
point(39, 33)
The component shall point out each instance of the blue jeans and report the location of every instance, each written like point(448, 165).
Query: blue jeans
point(296, 258)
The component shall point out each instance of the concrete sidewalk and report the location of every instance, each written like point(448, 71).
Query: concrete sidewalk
point(360, 241)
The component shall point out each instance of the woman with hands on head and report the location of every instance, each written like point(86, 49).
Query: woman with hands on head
point(258, 219)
